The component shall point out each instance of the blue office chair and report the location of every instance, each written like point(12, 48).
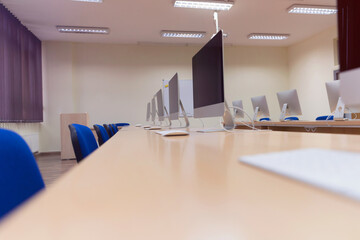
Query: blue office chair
point(20, 177)
point(109, 130)
point(115, 128)
point(122, 124)
point(83, 140)
point(102, 134)
point(264, 119)
point(292, 119)
point(325, 118)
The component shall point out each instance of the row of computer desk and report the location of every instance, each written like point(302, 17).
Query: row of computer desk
point(140, 185)
point(336, 127)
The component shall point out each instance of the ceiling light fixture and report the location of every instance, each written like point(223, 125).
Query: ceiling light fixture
point(203, 4)
point(268, 36)
point(89, 30)
point(312, 9)
point(91, 1)
point(182, 34)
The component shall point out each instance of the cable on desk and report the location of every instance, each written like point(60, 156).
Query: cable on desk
point(252, 126)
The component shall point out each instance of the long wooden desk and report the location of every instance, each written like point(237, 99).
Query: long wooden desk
point(336, 127)
point(140, 185)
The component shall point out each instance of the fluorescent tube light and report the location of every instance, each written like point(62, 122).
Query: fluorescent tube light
point(91, 1)
point(203, 4)
point(182, 34)
point(89, 30)
point(268, 36)
point(312, 9)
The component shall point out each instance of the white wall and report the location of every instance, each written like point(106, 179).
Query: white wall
point(113, 82)
point(255, 71)
point(311, 64)
point(58, 92)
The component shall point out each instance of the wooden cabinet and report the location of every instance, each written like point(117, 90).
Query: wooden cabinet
point(67, 151)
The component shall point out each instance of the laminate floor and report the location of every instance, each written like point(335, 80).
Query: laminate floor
point(52, 167)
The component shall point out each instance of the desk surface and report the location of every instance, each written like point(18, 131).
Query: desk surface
point(140, 185)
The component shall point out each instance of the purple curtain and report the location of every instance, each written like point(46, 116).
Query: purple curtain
point(349, 34)
point(20, 71)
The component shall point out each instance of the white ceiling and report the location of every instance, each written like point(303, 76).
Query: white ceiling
point(140, 21)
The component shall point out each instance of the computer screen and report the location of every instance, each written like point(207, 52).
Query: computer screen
point(160, 105)
point(290, 98)
point(349, 89)
point(153, 109)
point(148, 112)
point(238, 104)
point(174, 98)
point(260, 103)
point(333, 92)
point(208, 79)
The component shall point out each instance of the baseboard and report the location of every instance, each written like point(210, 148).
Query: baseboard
point(46, 153)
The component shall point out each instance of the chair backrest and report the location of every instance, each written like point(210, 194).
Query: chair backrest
point(109, 130)
point(83, 140)
point(122, 124)
point(115, 129)
point(292, 119)
point(20, 177)
point(101, 133)
point(264, 119)
point(325, 118)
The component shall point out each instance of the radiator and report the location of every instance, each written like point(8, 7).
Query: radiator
point(32, 139)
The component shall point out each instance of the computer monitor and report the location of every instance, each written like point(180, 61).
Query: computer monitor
point(238, 104)
point(174, 100)
point(153, 110)
point(333, 92)
point(289, 103)
point(208, 79)
point(160, 105)
point(337, 106)
point(261, 108)
point(148, 112)
point(349, 88)
point(208, 82)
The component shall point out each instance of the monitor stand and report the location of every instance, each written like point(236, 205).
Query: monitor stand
point(283, 112)
point(339, 111)
point(256, 114)
point(187, 123)
point(168, 117)
point(159, 120)
point(229, 124)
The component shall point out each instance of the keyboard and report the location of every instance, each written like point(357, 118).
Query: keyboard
point(336, 171)
point(173, 133)
point(154, 128)
point(209, 130)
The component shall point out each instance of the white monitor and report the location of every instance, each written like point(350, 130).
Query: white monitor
point(175, 104)
point(333, 92)
point(153, 110)
point(238, 104)
point(148, 112)
point(208, 82)
point(337, 106)
point(174, 99)
point(261, 108)
point(185, 95)
point(289, 103)
point(349, 89)
point(160, 105)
